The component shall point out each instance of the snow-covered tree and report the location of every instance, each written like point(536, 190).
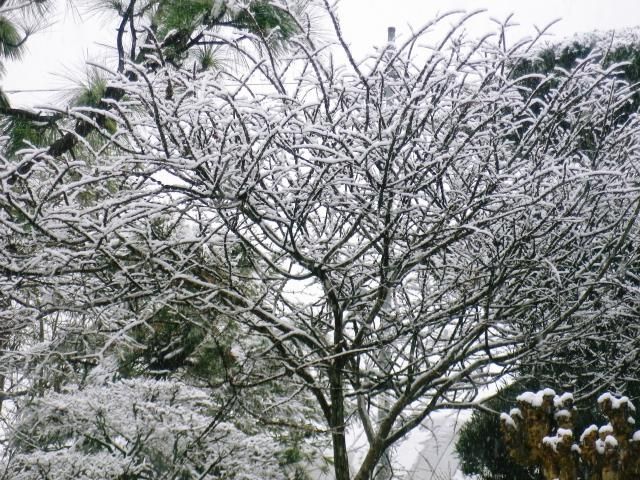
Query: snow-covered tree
point(194, 34)
point(42, 352)
point(578, 366)
point(147, 344)
point(18, 21)
point(137, 429)
point(389, 236)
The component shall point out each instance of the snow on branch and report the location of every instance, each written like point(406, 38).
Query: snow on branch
point(395, 236)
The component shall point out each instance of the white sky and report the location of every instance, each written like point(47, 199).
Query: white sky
point(58, 53)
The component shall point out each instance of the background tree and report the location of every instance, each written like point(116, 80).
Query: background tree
point(18, 20)
point(196, 32)
point(576, 364)
point(137, 429)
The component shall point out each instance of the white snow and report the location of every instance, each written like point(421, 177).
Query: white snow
point(553, 441)
point(588, 431)
point(610, 441)
point(563, 400)
point(536, 399)
point(515, 412)
point(508, 420)
point(608, 428)
point(616, 402)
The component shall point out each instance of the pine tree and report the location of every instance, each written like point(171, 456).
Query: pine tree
point(18, 20)
point(158, 32)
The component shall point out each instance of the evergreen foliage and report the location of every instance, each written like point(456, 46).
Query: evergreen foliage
point(10, 40)
point(17, 22)
point(617, 48)
point(198, 30)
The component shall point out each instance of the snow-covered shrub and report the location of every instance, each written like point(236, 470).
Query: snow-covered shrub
point(540, 432)
point(136, 429)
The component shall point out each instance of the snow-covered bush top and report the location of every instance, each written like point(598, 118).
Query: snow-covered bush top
point(616, 402)
point(542, 434)
point(536, 399)
point(139, 427)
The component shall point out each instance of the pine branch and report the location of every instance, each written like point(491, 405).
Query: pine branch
point(177, 44)
point(30, 115)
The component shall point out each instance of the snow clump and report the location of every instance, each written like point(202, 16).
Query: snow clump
point(616, 403)
point(536, 399)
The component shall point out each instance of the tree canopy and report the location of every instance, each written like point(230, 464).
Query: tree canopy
point(579, 364)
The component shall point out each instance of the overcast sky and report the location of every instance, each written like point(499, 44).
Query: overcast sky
point(73, 37)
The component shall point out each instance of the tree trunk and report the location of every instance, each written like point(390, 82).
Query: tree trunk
point(340, 457)
point(1, 390)
point(370, 461)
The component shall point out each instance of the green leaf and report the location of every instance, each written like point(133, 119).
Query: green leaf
point(273, 24)
point(90, 92)
point(11, 45)
point(23, 132)
point(181, 15)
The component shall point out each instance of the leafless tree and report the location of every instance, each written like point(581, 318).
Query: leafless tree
point(429, 204)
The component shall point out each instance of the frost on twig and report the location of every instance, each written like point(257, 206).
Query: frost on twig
point(386, 238)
